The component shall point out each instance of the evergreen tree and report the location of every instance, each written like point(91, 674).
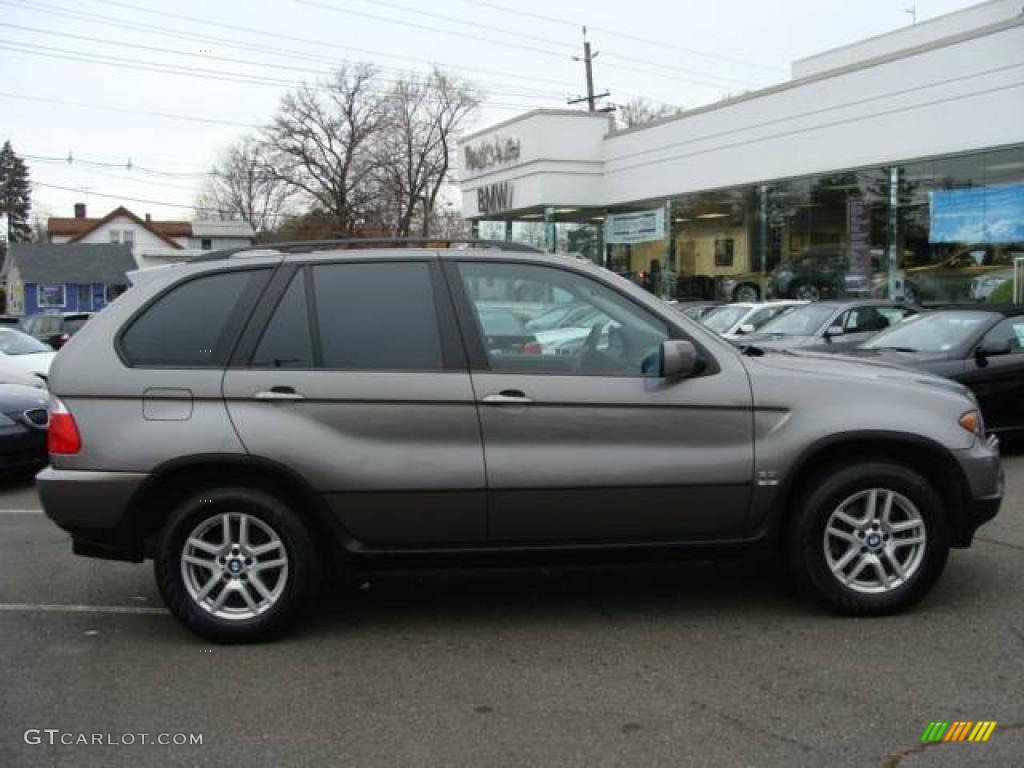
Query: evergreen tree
point(15, 195)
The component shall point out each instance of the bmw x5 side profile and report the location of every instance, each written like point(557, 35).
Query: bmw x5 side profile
point(250, 420)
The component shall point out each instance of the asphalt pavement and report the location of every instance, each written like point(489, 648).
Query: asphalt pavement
point(702, 664)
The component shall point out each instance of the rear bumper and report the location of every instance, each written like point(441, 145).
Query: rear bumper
point(93, 508)
point(985, 486)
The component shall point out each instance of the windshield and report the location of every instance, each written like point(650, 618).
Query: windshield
point(14, 342)
point(932, 332)
point(764, 315)
point(724, 318)
point(802, 321)
point(553, 318)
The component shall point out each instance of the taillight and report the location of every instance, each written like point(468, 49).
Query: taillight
point(62, 340)
point(63, 434)
point(532, 348)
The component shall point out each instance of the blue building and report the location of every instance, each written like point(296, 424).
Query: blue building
point(44, 277)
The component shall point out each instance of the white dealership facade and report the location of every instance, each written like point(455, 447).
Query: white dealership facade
point(847, 155)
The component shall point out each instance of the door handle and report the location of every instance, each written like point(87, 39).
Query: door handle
point(279, 394)
point(507, 397)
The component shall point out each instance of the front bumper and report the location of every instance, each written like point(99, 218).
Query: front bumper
point(985, 486)
point(93, 507)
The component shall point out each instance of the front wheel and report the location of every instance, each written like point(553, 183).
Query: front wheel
point(747, 293)
point(872, 539)
point(236, 565)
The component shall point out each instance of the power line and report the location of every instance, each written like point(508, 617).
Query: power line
point(532, 49)
point(192, 54)
point(275, 35)
point(675, 47)
point(221, 211)
point(196, 72)
point(122, 110)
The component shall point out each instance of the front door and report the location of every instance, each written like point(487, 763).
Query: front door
point(354, 377)
point(582, 441)
point(998, 380)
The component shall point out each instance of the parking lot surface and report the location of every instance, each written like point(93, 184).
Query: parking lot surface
point(675, 665)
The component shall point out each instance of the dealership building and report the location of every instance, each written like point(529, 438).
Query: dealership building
point(876, 165)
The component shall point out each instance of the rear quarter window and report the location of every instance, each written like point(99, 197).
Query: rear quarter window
point(195, 324)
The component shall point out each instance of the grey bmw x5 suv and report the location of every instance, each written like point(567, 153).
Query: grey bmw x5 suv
point(250, 420)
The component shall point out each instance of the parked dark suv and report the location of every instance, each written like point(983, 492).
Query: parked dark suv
point(250, 419)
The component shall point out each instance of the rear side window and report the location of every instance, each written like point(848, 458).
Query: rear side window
point(286, 342)
point(192, 326)
point(377, 316)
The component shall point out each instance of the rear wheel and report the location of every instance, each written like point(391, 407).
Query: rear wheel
point(236, 565)
point(872, 539)
point(806, 292)
point(746, 292)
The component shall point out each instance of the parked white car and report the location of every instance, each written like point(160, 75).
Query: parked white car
point(24, 354)
point(732, 320)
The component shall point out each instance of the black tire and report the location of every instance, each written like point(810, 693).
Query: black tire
point(746, 292)
point(806, 536)
point(805, 292)
point(304, 570)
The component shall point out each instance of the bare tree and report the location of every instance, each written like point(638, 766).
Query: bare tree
point(319, 144)
point(414, 154)
point(244, 187)
point(640, 111)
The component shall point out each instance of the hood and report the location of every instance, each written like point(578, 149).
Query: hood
point(37, 363)
point(896, 357)
point(778, 341)
point(850, 369)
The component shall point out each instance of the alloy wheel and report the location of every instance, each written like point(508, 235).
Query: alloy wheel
point(875, 541)
point(234, 566)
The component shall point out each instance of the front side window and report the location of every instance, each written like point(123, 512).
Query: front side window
point(378, 316)
point(50, 295)
point(1010, 330)
point(611, 336)
point(191, 325)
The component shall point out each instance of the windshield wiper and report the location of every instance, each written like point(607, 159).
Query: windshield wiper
point(751, 351)
point(899, 349)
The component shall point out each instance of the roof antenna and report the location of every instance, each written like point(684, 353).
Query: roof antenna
point(912, 10)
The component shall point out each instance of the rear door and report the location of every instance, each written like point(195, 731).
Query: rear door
point(352, 375)
point(582, 441)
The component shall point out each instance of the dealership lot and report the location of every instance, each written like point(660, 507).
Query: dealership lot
point(689, 664)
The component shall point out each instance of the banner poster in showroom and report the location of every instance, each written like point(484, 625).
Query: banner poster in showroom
point(858, 245)
point(635, 227)
point(977, 215)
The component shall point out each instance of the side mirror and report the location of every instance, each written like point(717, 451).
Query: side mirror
point(746, 328)
point(834, 330)
point(992, 349)
point(677, 359)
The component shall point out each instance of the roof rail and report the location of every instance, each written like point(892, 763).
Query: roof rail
point(308, 246)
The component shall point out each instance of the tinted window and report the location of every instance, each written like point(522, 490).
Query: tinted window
point(1010, 330)
point(607, 335)
point(189, 326)
point(286, 342)
point(377, 316)
point(74, 324)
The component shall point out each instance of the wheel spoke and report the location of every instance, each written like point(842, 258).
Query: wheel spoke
point(225, 522)
point(207, 588)
point(264, 549)
point(887, 507)
point(844, 535)
point(258, 567)
point(908, 541)
point(244, 591)
point(858, 568)
point(841, 514)
point(243, 530)
point(257, 583)
point(845, 560)
point(882, 573)
point(872, 505)
point(204, 546)
point(895, 563)
point(200, 562)
point(906, 525)
point(221, 598)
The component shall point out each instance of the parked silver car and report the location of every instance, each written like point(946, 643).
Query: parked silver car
point(250, 419)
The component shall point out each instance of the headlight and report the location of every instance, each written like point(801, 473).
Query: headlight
point(973, 423)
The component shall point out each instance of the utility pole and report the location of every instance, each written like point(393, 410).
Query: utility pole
point(591, 97)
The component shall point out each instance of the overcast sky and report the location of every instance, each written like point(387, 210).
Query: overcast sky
point(684, 52)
